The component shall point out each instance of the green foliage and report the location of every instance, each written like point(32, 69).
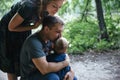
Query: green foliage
point(5, 6)
point(102, 45)
point(85, 35)
point(64, 8)
point(111, 4)
point(82, 36)
point(113, 28)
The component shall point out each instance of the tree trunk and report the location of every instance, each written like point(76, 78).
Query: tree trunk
point(101, 21)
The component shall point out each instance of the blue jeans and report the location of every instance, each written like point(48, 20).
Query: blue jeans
point(54, 75)
point(49, 76)
point(59, 58)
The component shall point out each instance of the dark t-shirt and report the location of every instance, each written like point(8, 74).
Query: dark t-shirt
point(12, 41)
point(26, 9)
point(32, 48)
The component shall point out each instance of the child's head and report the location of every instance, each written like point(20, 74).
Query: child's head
point(61, 45)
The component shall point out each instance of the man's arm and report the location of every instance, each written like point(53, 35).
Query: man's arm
point(69, 75)
point(45, 67)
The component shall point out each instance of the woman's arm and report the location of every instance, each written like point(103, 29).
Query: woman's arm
point(15, 24)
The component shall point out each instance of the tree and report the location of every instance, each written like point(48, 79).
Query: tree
point(101, 21)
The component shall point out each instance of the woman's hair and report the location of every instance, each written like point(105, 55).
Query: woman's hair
point(42, 4)
point(45, 2)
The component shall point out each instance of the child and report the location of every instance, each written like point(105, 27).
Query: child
point(60, 47)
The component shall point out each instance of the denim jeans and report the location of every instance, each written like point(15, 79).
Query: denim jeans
point(38, 76)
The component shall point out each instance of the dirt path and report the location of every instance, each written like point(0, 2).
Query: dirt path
point(97, 66)
point(93, 66)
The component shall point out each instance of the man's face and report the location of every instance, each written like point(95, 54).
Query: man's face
point(55, 32)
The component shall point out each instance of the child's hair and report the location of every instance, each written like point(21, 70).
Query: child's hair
point(61, 43)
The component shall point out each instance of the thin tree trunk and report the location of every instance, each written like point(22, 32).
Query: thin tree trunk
point(101, 21)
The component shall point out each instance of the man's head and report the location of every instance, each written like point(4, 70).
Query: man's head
point(52, 27)
point(61, 45)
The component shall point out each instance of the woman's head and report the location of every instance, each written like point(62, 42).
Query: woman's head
point(52, 6)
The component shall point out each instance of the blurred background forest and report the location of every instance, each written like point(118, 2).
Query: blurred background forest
point(89, 24)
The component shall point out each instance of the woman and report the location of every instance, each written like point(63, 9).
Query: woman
point(16, 25)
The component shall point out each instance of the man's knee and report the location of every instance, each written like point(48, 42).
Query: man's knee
point(52, 76)
point(75, 78)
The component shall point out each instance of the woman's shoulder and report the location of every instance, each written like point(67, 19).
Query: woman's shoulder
point(29, 3)
point(21, 5)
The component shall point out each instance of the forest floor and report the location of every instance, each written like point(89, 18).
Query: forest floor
point(97, 66)
point(93, 66)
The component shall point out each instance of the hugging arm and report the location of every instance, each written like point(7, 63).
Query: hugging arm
point(45, 67)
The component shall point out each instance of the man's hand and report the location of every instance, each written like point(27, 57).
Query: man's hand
point(67, 58)
point(69, 75)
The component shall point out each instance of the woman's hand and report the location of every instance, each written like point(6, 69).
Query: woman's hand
point(37, 24)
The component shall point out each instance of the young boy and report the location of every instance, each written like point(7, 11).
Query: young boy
point(60, 48)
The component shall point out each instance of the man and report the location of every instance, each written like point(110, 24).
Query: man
point(34, 65)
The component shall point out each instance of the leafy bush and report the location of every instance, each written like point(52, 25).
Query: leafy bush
point(84, 36)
